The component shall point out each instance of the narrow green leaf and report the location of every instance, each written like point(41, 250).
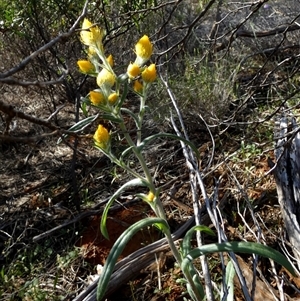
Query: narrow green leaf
point(119, 246)
point(79, 126)
point(191, 292)
point(131, 183)
point(134, 117)
point(198, 285)
point(111, 117)
point(193, 285)
point(239, 247)
point(125, 152)
point(83, 123)
point(84, 109)
point(186, 242)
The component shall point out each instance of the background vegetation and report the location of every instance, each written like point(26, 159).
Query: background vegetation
point(234, 69)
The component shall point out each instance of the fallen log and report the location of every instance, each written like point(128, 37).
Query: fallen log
point(287, 176)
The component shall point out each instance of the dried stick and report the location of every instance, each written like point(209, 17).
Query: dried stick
point(5, 77)
point(60, 37)
point(194, 178)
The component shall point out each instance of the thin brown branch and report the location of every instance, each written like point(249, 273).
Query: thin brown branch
point(267, 33)
point(11, 112)
point(233, 35)
point(190, 28)
point(33, 139)
point(238, 33)
point(13, 81)
point(59, 38)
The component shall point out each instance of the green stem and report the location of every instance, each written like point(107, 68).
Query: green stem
point(173, 247)
point(120, 163)
point(157, 207)
point(140, 119)
point(138, 155)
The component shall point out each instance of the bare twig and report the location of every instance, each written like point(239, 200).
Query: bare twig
point(27, 139)
point(267, 33)
point(12, 112)
point(188, 33)
point(41, 84)
point(59, 38)
point(194, 180)
point(6, 77)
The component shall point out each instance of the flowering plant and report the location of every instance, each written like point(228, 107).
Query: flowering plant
point(109, 98)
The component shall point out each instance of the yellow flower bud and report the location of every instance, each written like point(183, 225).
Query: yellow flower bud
point(150, 196)
point(133, 70)
point(137, 86)
point(85, 66)
point(101, 137)
point(105, 78)
point(110, 60)
point(112, 98)
point(149, 74)
point(91, 35)
point(96, 98)
point(143, 50)
point(86, 34)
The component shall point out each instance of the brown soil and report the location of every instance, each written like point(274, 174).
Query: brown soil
point(96, 248)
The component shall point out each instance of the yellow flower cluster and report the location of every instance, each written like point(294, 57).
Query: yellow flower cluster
point(91, 35)
point(100, 67)
point(133, 70)
point(143, 51)
point(138, 86)
point(105, 79)
point(96, 98)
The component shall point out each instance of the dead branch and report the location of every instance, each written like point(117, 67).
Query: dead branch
point(239, 33)
point(47, 46)
point(287, 175)
point(11, 113)
point(267, 33)
point(27, 139)
point(17, 82)
point(189, 27)
point(7, 78)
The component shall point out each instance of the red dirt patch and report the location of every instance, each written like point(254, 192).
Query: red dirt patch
point(96, 247)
